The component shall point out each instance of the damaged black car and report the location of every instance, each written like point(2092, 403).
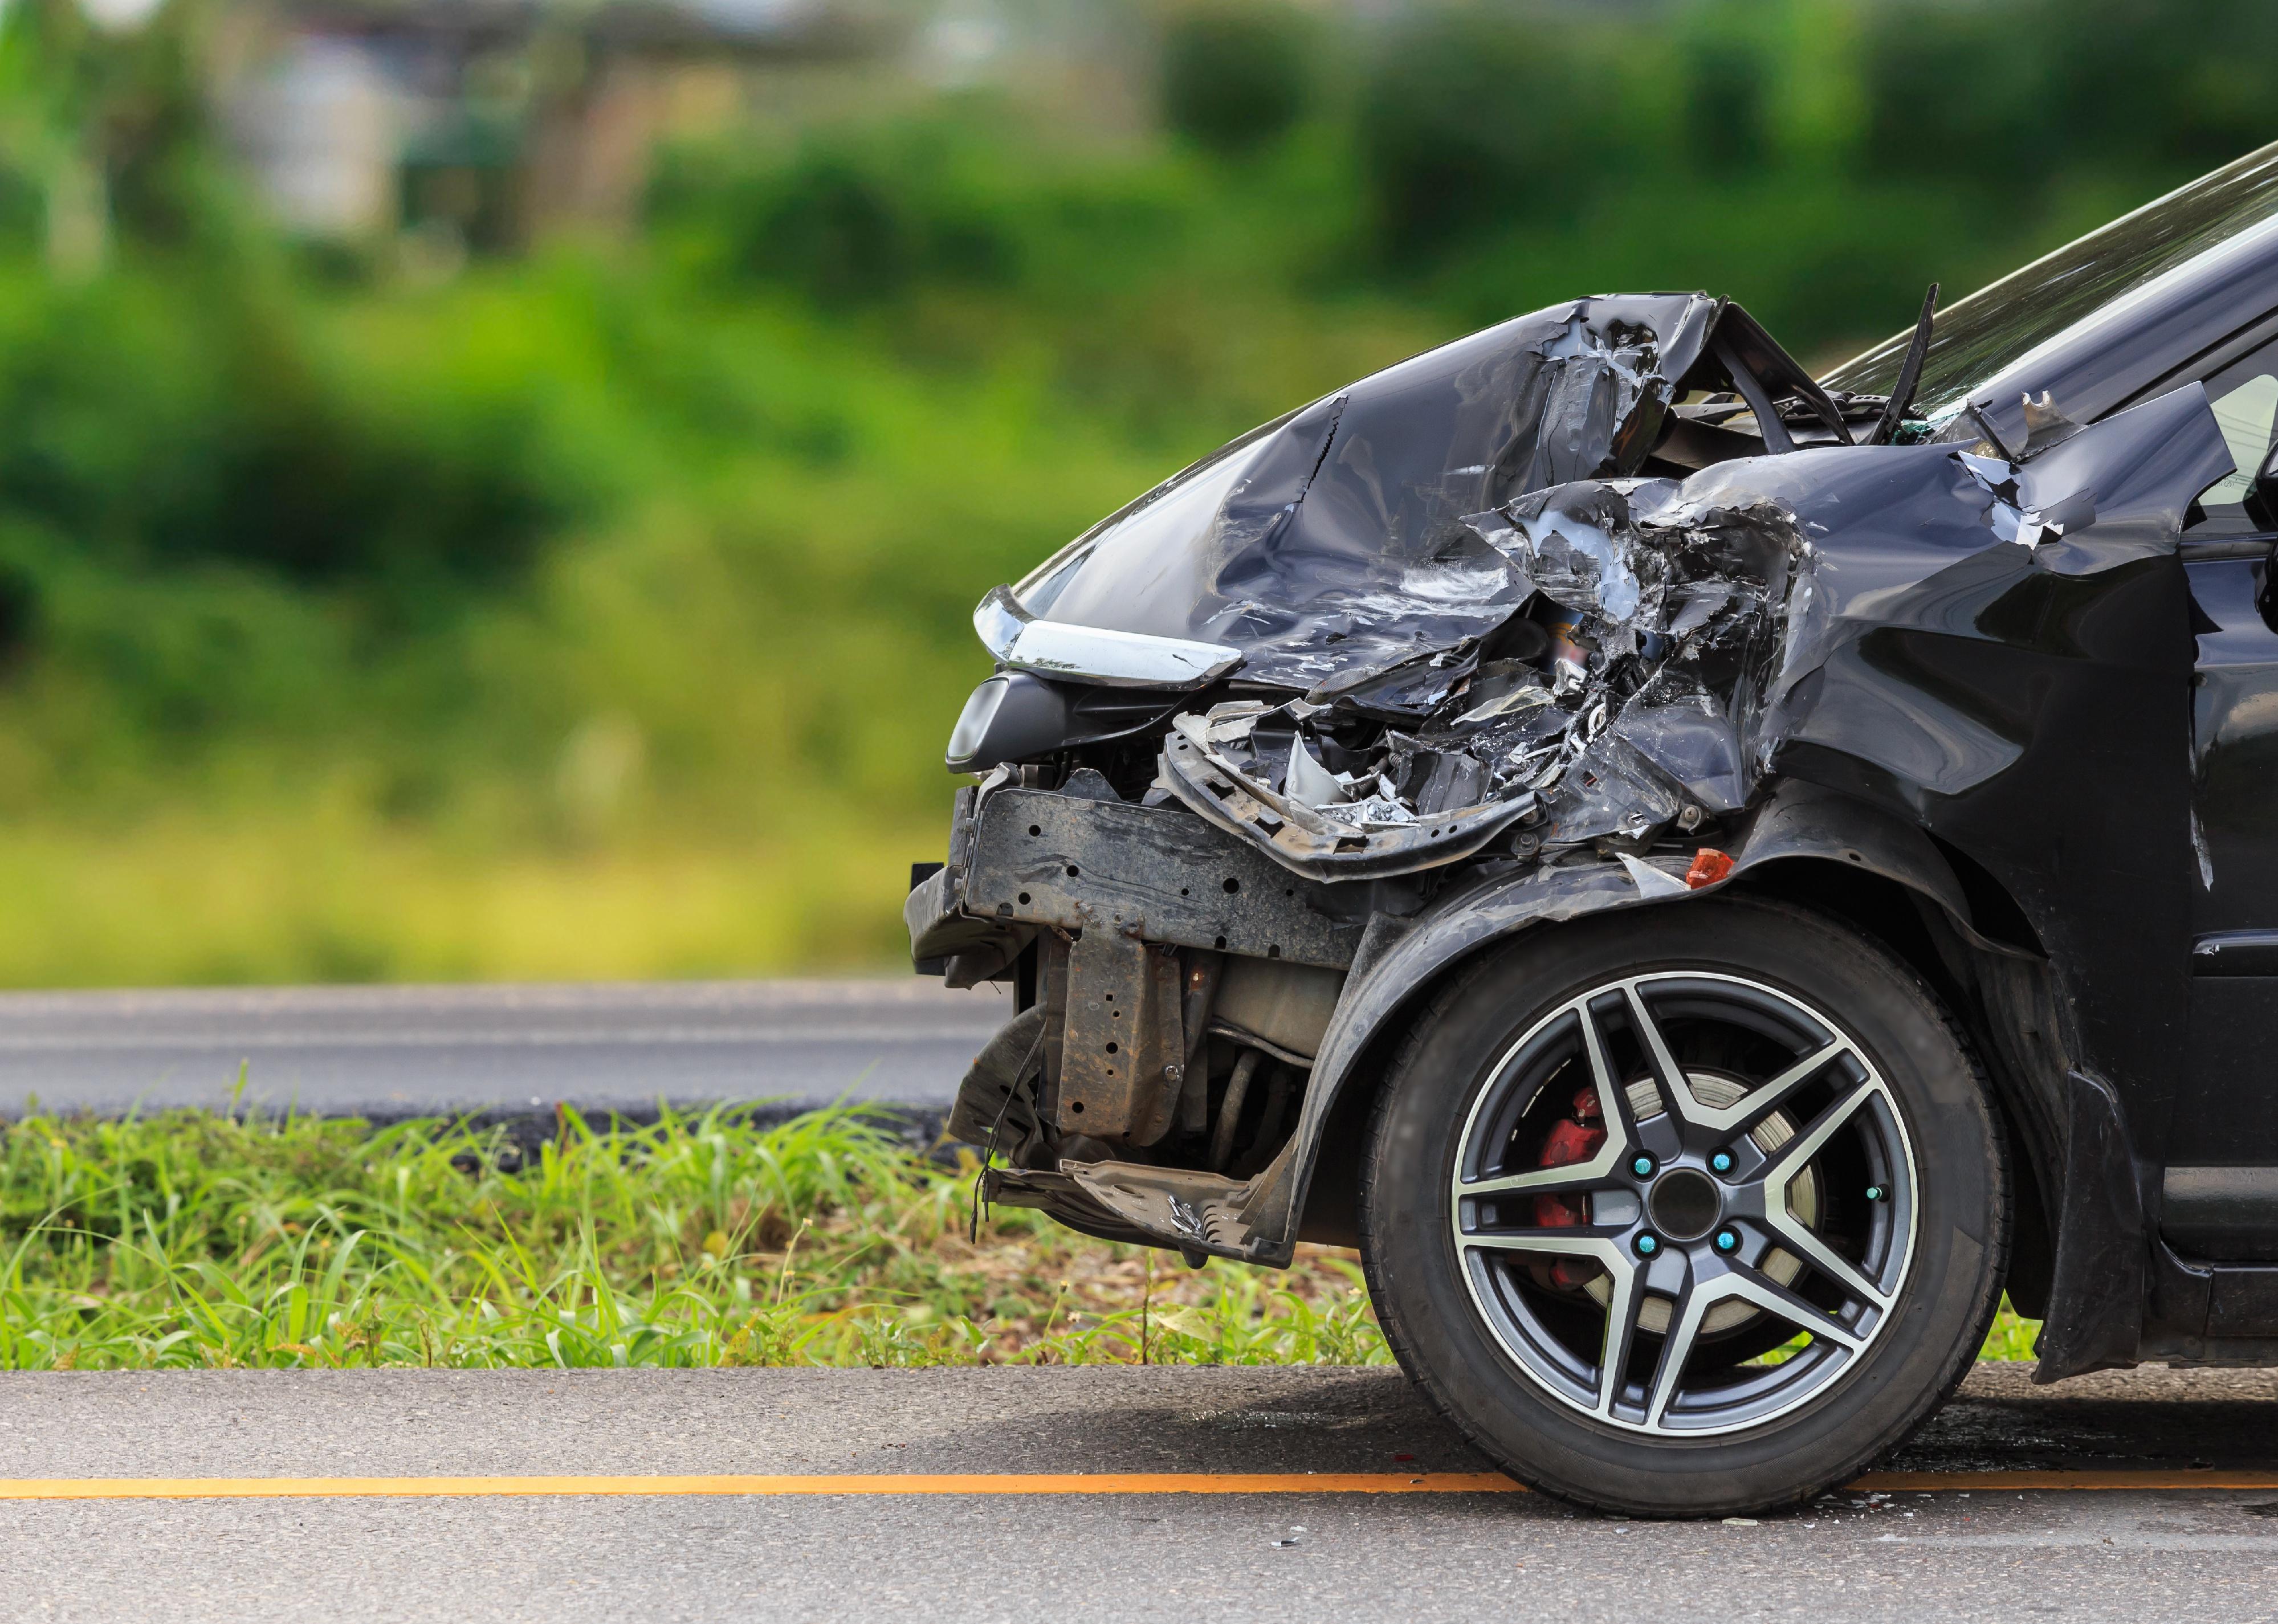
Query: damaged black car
point(1707, 875)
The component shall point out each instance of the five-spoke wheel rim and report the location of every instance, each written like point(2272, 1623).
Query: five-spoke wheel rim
point(1711, 1233)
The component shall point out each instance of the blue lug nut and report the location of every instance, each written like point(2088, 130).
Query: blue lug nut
point(1641, 1166)
point(1647, 1245)
point(1726, 1240)
point(1722, 1162)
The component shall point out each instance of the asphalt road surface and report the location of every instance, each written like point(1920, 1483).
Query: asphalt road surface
point(396, 1051)
point(2201, 1553)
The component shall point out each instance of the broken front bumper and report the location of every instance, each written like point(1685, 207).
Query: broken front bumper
point(1138, 908)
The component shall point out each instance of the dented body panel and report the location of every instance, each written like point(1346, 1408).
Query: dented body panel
point(1606, 608)
point(1331, 540)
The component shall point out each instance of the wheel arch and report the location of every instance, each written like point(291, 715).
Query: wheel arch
point(1925, 902)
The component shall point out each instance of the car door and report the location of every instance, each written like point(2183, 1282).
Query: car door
point(2221, 1180)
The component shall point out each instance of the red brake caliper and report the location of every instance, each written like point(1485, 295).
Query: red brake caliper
point(1574, 1138)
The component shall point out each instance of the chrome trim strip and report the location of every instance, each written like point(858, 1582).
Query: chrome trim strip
point(1093, 653)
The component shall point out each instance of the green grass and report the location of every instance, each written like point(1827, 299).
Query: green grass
point(193, 1239)
point(2012, 1336)
point(197, 1239)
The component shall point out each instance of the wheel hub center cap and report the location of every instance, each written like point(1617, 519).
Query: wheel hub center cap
point(1684, 1205)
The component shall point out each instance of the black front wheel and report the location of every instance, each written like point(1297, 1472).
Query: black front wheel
point(1687, 1211)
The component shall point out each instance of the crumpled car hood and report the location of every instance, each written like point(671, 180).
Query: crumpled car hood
point(1333, 538)
point(1453, 615)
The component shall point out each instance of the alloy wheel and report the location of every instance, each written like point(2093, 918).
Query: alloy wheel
point(1685, 1203)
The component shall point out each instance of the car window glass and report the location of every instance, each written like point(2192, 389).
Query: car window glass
point(2243, 395)
point(2247, 412)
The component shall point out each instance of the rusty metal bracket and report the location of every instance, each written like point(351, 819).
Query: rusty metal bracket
point(1123, 1053)
point(1041, 859)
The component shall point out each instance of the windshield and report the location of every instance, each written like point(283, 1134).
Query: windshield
point(1983, 335)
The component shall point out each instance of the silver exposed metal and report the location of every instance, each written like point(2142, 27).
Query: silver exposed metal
point(1092, 653)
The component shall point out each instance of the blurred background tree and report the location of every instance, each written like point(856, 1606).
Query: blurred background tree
point(1235, 77)
point(498, 490)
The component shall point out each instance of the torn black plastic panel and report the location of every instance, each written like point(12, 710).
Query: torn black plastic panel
point(2103, 1245)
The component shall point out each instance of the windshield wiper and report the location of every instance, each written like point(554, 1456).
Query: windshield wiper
point(1902, 392)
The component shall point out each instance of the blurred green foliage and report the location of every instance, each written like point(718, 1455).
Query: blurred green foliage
point(602, 610)
point(1235, 78)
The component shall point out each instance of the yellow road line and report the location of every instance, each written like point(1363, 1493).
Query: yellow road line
point(998, 1483)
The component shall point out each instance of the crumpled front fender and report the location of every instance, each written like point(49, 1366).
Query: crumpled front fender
point(1393, 972)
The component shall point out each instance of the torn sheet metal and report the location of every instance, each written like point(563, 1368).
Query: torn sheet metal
point(1607, 659)
point(1332, 540)
point(1935, 605)
point(1683, 634)
point(1358, 830)
point(1657, 619)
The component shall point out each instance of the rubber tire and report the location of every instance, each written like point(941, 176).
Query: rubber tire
point(1913, 1367)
